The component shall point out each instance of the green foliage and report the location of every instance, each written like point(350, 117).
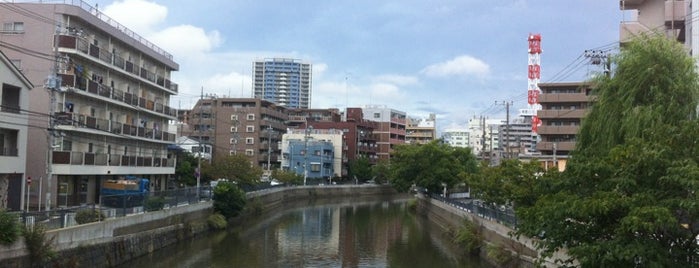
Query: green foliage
point(287, 177)
point(430, 165)
point(154, 203)
point(39, 246)
point(498, 254)
point(469, 236)
point(88, 215)
point(236, 168)
point(217, 221)
point(381, 172)
point(629, 195)
point(186, 165)
point(360, 168)
point(10, 228)
point(412, 205)
point(229, 199)
point(513, 182)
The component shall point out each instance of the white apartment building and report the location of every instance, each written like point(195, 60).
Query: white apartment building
point(14, 119)
point(110, 101)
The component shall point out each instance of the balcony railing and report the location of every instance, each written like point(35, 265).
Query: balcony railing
point(73, 42)
point(114, 127)
point(7, 151)
point(98, 89)
point(95, 159)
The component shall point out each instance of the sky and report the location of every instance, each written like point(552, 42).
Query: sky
point(453, 58)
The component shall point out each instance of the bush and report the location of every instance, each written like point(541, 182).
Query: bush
point(9, 228)
point(498, 254)
point(88, 215)
point(39, 246)
point(217, 221)
point(469, 237)
point(229, 199)
point(412, 205)
point(154, 203)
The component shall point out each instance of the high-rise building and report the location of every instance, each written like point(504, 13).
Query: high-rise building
point(109, 91)
point(389, 129)
point(286, 82)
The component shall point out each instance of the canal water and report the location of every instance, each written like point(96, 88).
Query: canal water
point(321, 233)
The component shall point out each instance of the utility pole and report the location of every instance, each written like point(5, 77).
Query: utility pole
point(483, 137)
point(54, 84)
point(269, 149)
point(305, 153)
point(200, 149)
point(507, 126)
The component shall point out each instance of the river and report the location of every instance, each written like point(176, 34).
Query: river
point(321, 233)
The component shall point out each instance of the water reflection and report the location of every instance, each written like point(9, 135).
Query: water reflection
point(351, 233)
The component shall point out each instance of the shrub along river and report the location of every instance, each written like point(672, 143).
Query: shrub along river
point(350, 232)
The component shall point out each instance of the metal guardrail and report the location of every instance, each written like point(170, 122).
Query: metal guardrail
point(503, 215)
point(112, 206)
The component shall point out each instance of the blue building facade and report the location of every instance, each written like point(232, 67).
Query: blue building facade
point(318, 161)
point(286, 82)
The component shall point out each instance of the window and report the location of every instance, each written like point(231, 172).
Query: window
point(13, 27)
point(249, 140)
point(250, 129)
point(377, 115)
point(234, 141)
point(249, 152)
point(231, 152)
point(315, 167)
point(234, 129)
point(234, 117)
point(251, 117)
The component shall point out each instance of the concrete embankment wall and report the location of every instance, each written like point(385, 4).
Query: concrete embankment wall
point(451, 219)
point(118, 240)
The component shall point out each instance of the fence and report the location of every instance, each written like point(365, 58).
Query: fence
point(503, 215)
point(118, 206)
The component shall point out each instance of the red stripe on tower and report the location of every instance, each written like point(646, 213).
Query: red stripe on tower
point(534, 74)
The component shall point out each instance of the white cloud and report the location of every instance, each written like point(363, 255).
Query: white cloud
point(185, 41)
point(464, 65)
point(401, 80)
point(139, 16)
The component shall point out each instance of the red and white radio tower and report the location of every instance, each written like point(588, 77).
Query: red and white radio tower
point(534, 76)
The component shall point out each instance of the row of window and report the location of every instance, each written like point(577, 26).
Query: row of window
point(249, 117)
point(247, 141)
point(248, 129)
point(13, 27)
point(248, 152)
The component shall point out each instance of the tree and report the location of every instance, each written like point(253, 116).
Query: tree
point(186, 165)
point(10, 228)
point(430, 165)
point(236, 168)
point(629, 197)
point(513, 182)
point(287, 177)
point(229, 199)
point(381, 171)
point(360, 169)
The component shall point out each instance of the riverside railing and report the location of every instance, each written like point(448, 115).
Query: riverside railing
point(503, 215)
point(111, 206)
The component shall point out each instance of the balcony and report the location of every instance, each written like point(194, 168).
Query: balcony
point(94, 159)
point(558, 130)
point(573, 114)
point(563, 97)
point(81, 45)
point(565, 146)
point(115, 95)
point(630, 29)
point(113, 127)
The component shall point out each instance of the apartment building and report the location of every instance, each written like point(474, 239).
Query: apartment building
point(109, 94)
point(248, 126)
point(456, 137)
point(14, 120)
point(421, 130)
point(313, 153)
point(284, 81)
point(563, 107)
point(390, 128)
